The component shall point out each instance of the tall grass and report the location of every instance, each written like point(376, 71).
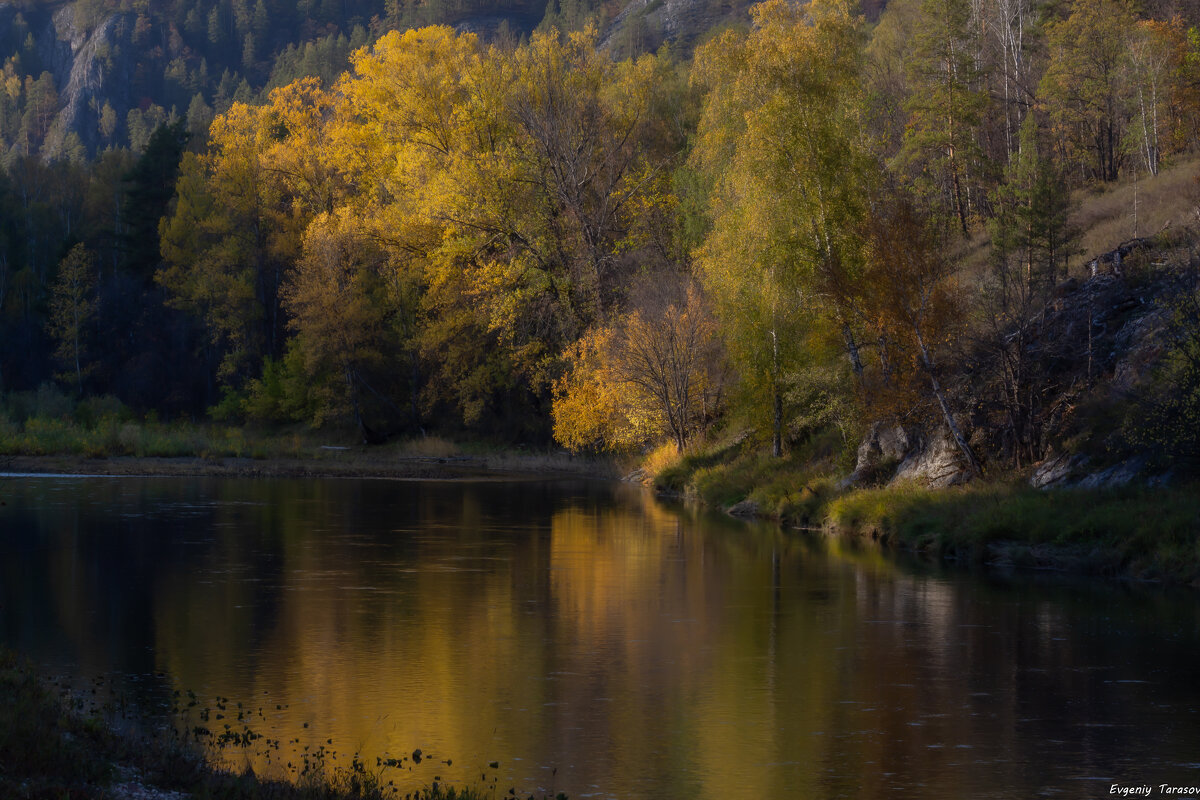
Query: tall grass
point(1148, 533)
point(48, 422)
point(1143, 532)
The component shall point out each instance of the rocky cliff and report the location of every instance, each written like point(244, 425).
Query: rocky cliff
point(1095, 348)
point(92, 68)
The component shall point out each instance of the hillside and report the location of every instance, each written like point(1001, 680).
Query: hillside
point(1111, 396)
point(94, 74)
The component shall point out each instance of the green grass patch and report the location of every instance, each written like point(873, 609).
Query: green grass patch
point(793, 488)
point(1149, 533)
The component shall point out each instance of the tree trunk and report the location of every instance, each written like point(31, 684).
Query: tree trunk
point(959, 439)
point(777, 398)
point(415, 378)
point(852, 350)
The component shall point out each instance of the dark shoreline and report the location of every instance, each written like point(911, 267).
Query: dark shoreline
point(353, 464)
point(1133, 534)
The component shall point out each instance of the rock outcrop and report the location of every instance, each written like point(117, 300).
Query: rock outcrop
point(938, 463)
point(646, 24)
point(88, 75)
point(1057, 470)
point(891, 453)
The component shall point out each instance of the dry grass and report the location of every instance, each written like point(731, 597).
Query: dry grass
point(428, 447)
point(1106, 215)
point(660, 459)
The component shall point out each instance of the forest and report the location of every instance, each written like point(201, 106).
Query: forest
point(807, 222)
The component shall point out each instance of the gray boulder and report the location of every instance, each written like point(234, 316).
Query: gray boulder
point(1055, 470)
point(938, 464)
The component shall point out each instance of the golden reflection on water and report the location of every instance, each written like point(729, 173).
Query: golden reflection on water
point(591, 640)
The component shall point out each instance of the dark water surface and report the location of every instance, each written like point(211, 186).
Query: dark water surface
point(595, 641)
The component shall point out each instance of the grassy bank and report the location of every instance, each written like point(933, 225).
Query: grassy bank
point(1151, 534)
point(47, 431)
point(1136, 532)
point(117, 445)
point(54, 745)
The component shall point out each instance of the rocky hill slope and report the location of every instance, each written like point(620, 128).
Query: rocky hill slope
point(92, 74)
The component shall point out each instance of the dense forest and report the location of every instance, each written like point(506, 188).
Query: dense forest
point(320, 214)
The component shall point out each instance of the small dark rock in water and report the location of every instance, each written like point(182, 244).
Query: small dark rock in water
point(746, 509)
point(494, 764)
point(416, 756)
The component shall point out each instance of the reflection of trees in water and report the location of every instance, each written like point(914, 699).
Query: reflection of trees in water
point(632, 645)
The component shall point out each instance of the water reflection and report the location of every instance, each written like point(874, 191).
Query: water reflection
point(596, 641)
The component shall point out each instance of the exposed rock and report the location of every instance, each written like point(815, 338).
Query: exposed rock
point(886, 443)
point(1142, 344)
point(937, 464)
point(488, 26)
point(1115, 476)
point(1056, 469)
point(747, 509)
point(1114, 260)
point(637, 476)
point(88, 76)
point(883, 444)
point(646, 24)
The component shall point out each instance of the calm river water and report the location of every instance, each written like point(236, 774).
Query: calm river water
point(594, 640)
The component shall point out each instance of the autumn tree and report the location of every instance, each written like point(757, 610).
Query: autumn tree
point(1155, 52)
point(1010, 31)
point(337, 303)
point(1085, 90)
point(239, 220)
point(779, 143)
point(658, 371)
point(914, 296)
point(512, 186)
point(593, 409)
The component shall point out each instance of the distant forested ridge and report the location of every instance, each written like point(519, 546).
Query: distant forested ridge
point(542, 224)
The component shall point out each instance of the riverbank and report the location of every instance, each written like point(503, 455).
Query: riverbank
point(111, 442)
point(54, 744)
point(1134, 532)
point(344, 462)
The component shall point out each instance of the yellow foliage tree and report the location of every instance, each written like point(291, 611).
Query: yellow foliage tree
point(240, 217)
point(780, 141)
point(657, 372)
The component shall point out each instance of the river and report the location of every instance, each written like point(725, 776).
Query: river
point(588, 638)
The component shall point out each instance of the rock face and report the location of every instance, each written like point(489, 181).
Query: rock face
point(747, 509)
point(645, 24)
point(1056, 470)
point(1116, 476)
point(882, 446)
point(908, 454)
point(84, 66)
point(886, 443)
point(938, 463)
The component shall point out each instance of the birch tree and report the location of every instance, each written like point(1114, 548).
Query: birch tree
point(779, 140)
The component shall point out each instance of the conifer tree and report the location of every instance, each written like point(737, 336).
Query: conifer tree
point(72, 303)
